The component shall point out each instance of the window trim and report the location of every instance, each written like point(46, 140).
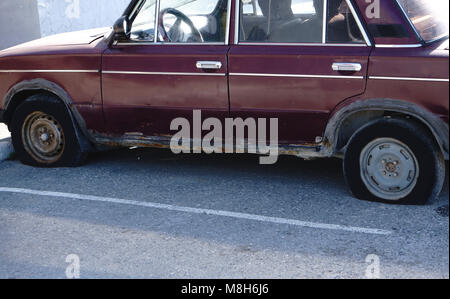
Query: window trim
point(417, 34)
point(410, 23)
point(156, 42)
point(324, 22)
point(363, 31)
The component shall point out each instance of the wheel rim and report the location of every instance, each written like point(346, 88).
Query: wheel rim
point(43, 137)
point(389, 169)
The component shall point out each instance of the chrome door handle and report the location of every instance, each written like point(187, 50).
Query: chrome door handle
point(209, 65)
point(346, 67)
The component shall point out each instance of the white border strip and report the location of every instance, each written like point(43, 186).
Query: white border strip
point(300, 44)
point(164, 73)
point(235, 215)
point(296, 76)
point(398, 46)
point(49, 71)
point(324, 21)
point(228, 29)
point(408, 79)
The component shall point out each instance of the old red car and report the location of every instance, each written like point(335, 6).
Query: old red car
point(363, 80)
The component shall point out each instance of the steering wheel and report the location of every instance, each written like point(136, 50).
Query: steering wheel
point(174, 33)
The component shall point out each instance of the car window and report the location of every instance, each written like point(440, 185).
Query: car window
point(181, 21)
point(250, 7)
point(303, 7)
point(430, 18)
point(282, 21)
point(297, 21)
point(341, 25)
point(193, 21)
point(143, 27)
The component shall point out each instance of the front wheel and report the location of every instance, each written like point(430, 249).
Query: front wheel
point(394, 161)
point(44, 135)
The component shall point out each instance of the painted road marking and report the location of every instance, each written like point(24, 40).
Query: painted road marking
point(236, 215)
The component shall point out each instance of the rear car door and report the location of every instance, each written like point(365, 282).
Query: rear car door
point(167, 69)
point(296, 63)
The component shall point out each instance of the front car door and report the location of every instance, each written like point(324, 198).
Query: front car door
point(295, 60)
point(175, 61)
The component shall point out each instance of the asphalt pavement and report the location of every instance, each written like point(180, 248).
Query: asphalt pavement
point(147, 213)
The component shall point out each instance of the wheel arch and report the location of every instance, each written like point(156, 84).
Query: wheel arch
point(23, 90)
point(346, 120)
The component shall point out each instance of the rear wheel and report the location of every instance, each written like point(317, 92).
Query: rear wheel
point(395, 161)
point(44, 135)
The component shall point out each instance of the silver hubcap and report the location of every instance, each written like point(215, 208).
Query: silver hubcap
point(43, 137)
point(389, 169)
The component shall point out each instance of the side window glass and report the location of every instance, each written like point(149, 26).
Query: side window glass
point(297, 21)
point(143, 28)
point(251, 8)
point(192, 21)
point(341, 25)
point(283, 21)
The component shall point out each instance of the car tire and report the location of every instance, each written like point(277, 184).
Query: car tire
point(44, 135)
point(394, 161)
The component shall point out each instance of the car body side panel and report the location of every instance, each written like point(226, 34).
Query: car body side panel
point(418, 75)
point(146, 87)
point(76, 69)
point(265, 82)
point(413, 81)
point(401, 74)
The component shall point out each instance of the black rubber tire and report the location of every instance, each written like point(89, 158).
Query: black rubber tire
point(73, 154)
point(430, 159)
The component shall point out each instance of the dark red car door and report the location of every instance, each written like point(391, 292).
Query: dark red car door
point(145, 87)
point(296, 72)
point(147, 84)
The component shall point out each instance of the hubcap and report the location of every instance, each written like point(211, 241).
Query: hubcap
point(389, 169)
point(43, 137)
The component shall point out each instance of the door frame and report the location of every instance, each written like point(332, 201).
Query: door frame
point(353, 8)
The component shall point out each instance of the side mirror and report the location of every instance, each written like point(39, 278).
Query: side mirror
point(122, 29)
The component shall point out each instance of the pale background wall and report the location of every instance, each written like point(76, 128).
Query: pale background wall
point(19, 22)
point(25, 20)
point(58, 16)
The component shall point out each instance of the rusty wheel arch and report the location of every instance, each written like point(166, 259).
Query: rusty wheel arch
point(23, 90)
point(336, 139)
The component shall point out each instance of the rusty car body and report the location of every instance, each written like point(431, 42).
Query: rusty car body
point(329, 70)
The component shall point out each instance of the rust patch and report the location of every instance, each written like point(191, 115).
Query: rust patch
point(305, 151)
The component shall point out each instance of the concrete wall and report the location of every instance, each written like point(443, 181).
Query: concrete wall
point(25, 20)
point(19, 22)
point(57, 16)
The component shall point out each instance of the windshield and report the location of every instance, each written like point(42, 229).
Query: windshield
point(430, 17)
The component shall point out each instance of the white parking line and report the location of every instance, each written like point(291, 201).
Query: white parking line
point(237, 215)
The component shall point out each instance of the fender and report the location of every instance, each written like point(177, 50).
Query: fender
point(51, 87)
point(437, 126)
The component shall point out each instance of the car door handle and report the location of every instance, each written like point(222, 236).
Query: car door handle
point(346, 67)
point(209, 65)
